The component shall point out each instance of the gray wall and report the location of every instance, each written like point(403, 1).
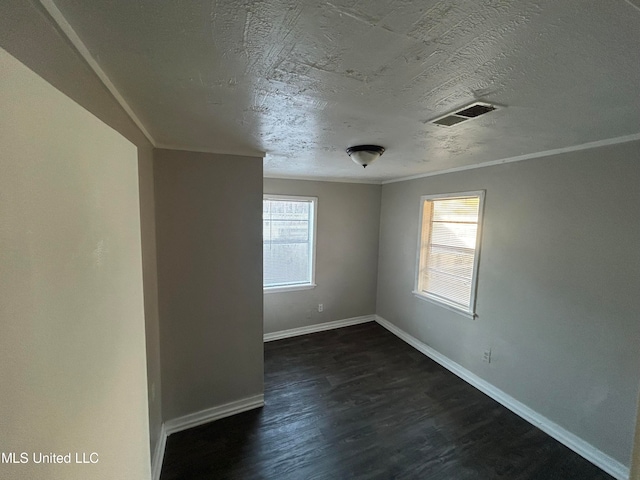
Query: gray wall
point(346, 257)
point(558, 284)
point(209, 249)
point(27, 32)
point(635, 457)
point(71, 294)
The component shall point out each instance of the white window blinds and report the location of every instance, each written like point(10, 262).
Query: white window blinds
point(288, 232)
point(449, 249)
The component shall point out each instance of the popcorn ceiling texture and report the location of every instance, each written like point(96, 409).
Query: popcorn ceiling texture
point(303, 80)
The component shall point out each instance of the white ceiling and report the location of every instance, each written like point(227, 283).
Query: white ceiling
point(303, 80)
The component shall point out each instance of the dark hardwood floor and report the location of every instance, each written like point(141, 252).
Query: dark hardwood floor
point(359, 403)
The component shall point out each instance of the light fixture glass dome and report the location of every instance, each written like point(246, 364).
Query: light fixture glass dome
point(365, 154)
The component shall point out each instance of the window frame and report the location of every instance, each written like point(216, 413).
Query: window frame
point(450, 305)
point(312, 256)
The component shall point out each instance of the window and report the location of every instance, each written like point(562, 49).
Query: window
point(448, 250)
point(288, 242)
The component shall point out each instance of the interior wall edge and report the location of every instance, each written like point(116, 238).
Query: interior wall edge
point(158, 454)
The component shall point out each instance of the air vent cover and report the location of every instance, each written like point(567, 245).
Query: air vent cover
point(467, 113)
point(449, 120)
point(476, 110)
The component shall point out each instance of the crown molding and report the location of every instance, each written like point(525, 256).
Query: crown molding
point(324, 179)
point(167, 146)
point(68, 31)
point(519, 158)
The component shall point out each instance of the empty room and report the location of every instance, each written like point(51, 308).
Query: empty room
point(320, 240)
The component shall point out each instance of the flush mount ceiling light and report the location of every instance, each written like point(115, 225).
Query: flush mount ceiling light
point(365, 154)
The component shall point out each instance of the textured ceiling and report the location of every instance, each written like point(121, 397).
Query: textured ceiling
point(303, 80)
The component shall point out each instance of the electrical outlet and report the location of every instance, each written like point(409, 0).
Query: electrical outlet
point(486, 357)
point(320, 307)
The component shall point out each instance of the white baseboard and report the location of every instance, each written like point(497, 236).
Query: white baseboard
point(320, 327)
point(575, 443)
point(214, 413)
point(195, 419)
point(158, 454)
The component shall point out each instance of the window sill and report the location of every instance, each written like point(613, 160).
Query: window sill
point(442, 304)
point(288, 288)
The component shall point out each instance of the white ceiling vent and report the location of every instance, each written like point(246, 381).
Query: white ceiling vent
point(469, 112)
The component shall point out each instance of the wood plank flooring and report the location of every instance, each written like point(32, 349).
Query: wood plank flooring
point(359, 403)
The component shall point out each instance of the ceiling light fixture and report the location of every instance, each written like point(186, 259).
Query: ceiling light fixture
point(365, 154)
